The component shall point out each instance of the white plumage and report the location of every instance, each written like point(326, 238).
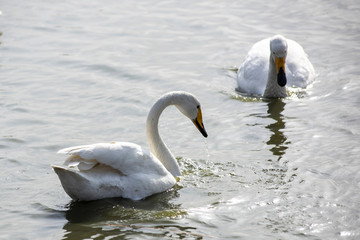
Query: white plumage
point(123, 169)
point(258, 74)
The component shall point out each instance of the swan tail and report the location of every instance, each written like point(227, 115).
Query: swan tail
point(72, 182)
point(100, 182)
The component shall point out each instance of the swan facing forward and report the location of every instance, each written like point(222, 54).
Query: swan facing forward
point(288, 64)
point(123, 169)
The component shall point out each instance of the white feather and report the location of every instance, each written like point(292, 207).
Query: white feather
point(123, 169)
point(253, 74)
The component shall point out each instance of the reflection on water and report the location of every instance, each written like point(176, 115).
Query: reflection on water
point(86, 219)
point(277, 138)
point(277, 171)
point(156, 230)
point(122, 208)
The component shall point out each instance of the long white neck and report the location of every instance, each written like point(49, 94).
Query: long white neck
point(157, 146)
point(273, 90)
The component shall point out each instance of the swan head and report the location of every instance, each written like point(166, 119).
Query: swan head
point(190, 107)
point(278, 51)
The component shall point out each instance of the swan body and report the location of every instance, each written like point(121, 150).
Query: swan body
point(273, 63)
point(123, 169)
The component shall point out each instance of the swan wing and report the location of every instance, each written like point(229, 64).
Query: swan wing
point(118, 169)
point(299, 70)
point(253, 72)
point(127, 158)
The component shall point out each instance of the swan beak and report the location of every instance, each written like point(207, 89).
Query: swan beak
point(199, 124)
point(280, 71)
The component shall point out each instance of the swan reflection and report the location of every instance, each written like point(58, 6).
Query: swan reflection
point(116, 216)
point(277, 138)
point(276, 170)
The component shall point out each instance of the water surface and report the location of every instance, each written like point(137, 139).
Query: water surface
point(85, 72)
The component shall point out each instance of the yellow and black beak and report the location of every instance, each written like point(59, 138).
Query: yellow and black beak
point(280, 71)
point(199, 124)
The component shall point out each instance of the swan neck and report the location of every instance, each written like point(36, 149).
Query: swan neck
point(273, 90)
point(157, 146)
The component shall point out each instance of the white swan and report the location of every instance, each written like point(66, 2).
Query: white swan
point(123, 169)
point(263, 71)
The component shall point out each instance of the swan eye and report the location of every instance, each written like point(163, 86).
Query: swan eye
point(198, 106)
point(273, 52)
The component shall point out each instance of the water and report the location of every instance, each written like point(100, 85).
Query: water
point(77, 72)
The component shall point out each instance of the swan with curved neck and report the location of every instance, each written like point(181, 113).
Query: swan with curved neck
point(190, 107)
point(288, 64)
point(122, 169)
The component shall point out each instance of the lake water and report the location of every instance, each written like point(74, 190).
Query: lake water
point(80, 72)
